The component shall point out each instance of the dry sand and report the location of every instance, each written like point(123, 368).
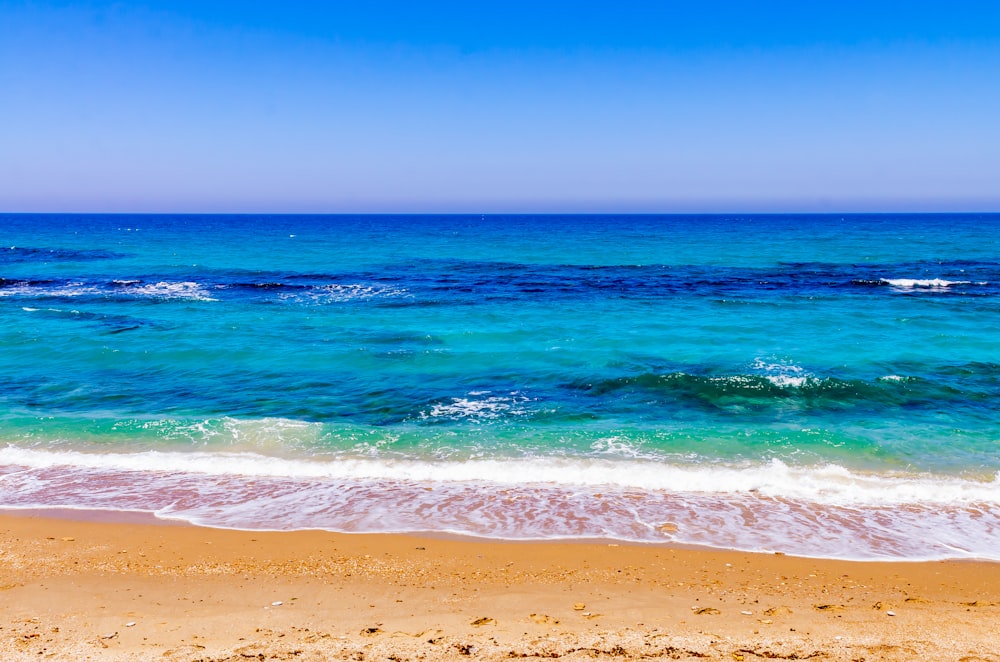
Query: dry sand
point(89, 590)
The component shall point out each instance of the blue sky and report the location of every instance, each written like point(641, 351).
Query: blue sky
point(499, 106)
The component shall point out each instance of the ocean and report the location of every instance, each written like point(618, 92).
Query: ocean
point(820, 385)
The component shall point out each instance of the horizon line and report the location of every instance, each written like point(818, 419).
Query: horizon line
point(500, 213)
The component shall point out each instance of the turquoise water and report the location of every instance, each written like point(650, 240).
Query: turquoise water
point(823, 385)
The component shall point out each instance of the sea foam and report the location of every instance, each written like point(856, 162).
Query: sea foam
point(825, 510)
point(827, 483)
point(917, 283)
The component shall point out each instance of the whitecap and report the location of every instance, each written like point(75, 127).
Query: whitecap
point(478, 408)
point(75, 289)
point(345, 292)
point(781, 374)
point(168, 290)
point(917, 283)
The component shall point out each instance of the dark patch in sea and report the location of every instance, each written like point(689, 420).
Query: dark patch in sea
point(20, 254)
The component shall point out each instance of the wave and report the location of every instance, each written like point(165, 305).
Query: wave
point(479, 408)
point(125, 288)
point(343, 292)
point(826, 484)
point(118, 288)
point(167, 290)
point(458, 282)
point(764, 391)
point(926, 283)
point(941, 395)
point(826, 510)
point(513, 280)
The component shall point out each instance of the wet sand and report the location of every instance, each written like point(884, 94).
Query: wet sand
point(77, 590)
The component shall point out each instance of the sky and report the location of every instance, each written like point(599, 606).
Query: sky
point(499, 106)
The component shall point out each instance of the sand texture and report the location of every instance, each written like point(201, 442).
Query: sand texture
point(90, 590)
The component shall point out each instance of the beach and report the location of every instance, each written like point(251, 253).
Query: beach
point(87, 588)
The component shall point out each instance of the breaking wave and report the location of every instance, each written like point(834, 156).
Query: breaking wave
point(826, 510)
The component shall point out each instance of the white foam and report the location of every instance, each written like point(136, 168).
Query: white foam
point(491, 408)
point(161, 290)
point(67, 290)
point(815, 511)
point(787, 381)
point(827, 484)
point(914, 283)
point(618, 446)
point(166, 290)
point(343, 292)
point(782, 375)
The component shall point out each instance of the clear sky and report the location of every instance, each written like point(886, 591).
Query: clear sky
point(489, 106)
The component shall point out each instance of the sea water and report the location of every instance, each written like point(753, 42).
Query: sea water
point(822, 385)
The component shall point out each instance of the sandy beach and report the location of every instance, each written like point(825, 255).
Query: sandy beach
point(94, 590)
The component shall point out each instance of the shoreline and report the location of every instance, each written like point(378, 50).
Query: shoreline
point(142, 517)
point(85, 589)
point(822, 511)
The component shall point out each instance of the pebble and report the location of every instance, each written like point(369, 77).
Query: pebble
point(890, 613)
point(579, 606)
point(130, 624)
point(276, 603)
point(747, 613)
